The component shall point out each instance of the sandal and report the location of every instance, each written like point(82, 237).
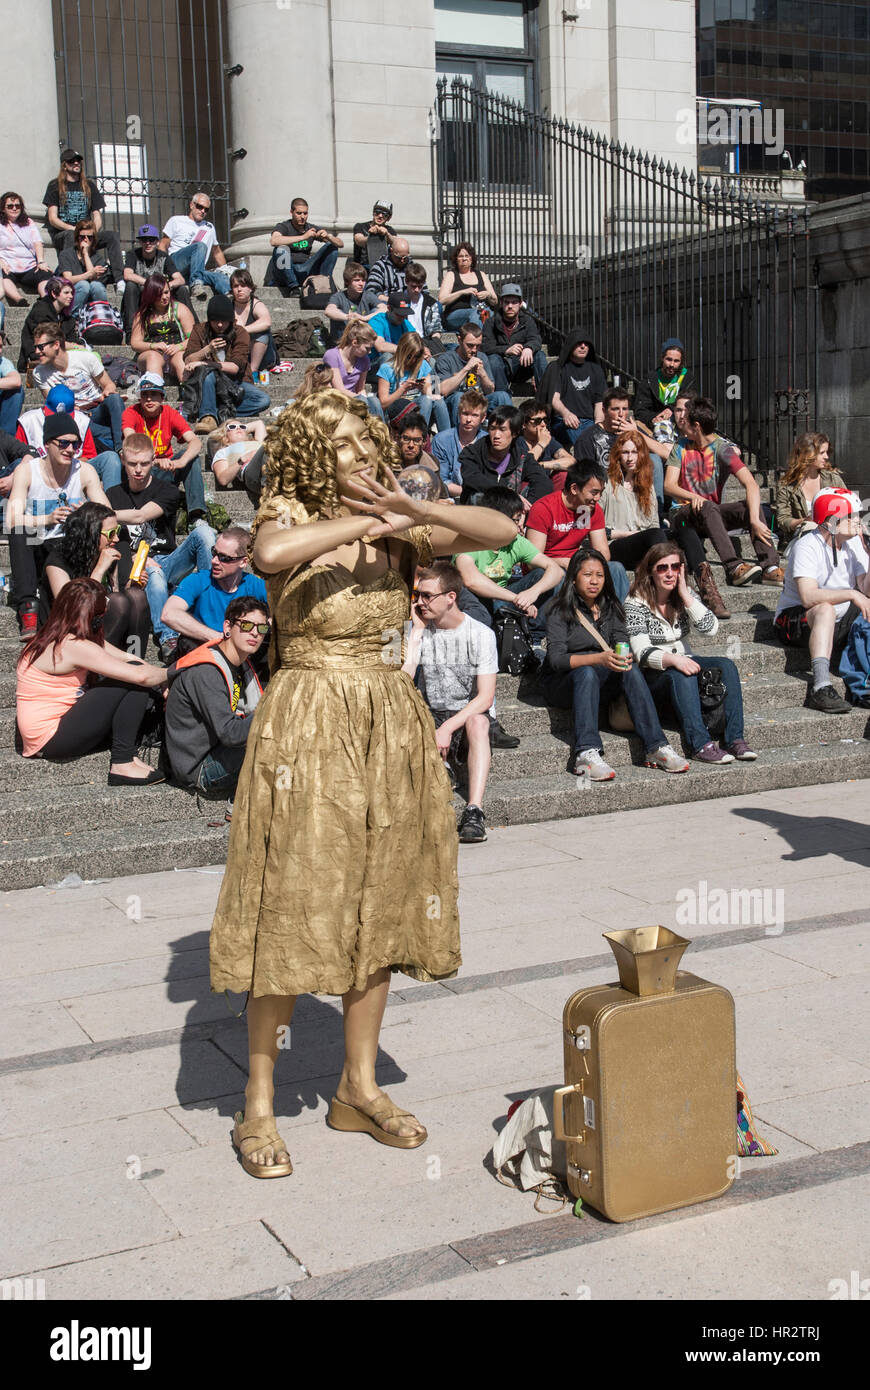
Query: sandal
point(352, 1120)
point(259, 1133)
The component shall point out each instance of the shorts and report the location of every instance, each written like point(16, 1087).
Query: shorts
point(458, 750)
point(793, 630)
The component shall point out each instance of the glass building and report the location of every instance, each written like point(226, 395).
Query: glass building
point(809, 61)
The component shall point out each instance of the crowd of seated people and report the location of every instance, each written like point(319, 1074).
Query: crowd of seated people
point(613, 499)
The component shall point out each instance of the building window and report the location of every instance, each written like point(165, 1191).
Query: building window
point(491, 44)
point(123, 174)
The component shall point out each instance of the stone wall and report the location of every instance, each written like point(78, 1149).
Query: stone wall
point(840, 247)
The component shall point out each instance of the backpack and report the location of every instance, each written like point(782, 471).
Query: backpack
point(855, 664)
point(100, 323)
point(712, 692)
point(514, 641)
point(123, 371)
point(317, 291)
point(293, 341)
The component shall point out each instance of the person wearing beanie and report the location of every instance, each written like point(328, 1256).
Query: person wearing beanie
point(220, 384)
point(657, 394)
point(59, 400)
point(44, 493)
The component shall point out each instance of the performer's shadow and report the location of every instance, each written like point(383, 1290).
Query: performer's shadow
point(213, 1063)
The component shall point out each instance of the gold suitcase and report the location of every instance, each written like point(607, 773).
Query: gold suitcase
point(649, 1109)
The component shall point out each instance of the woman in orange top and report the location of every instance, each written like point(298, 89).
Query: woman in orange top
point(59, 714)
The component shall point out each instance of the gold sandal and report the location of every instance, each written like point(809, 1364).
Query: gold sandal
point(352, 1120)
point(258, 1133)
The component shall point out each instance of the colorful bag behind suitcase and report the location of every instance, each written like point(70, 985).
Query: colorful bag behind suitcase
point(648, 1109)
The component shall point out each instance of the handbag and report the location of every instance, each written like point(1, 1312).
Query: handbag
point(712, 692)
point(618, 715)
point(514, 641)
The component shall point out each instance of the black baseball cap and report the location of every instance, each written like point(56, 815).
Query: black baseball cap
point(67, 155)
point(398, 303)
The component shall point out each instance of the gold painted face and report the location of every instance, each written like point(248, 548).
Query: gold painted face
point(355, 449)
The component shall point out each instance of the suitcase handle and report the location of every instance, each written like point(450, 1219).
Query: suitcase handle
point(559, 1113)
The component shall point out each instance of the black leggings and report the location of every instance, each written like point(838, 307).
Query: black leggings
point(104, 708)
point(128, 621)
point(691, 544)
point(630, 550)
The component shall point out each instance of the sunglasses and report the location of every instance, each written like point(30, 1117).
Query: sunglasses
point(538, 420)
point(236, 427)
point(10, 204)
point(668, 569)
point(111, 535)
point(67, 446)
point(203, 207)
point(247, 625)
point(420, 596)
point(225, 559)
point(40, 347)
point(401, 260)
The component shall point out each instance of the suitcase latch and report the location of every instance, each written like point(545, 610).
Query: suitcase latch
point(584, 1174)
point(581, 1038)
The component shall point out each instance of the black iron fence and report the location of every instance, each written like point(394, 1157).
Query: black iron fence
point(636, 250)
point(141, 93)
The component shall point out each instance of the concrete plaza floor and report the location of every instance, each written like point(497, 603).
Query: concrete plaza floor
point(120, 1073)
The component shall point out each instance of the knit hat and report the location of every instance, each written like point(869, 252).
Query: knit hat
point(220, 307)
point(670, 343)
point(61, 426)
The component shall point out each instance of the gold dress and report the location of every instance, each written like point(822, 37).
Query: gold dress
point(342, 853)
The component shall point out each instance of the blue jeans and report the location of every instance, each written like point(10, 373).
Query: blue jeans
point(434, 405)
point(194, 553)
point(85, 291)
point(583, 690)
point(253, 399)
point(507, 369)
point(288, 275)
point(190, 478)
point(672, 690)
point(568, 437)
point(10, 409)
point(373, 406)
point(106, 423)
point(219, 772)
point(455, 318)
point(190, 261)
point(108, 466)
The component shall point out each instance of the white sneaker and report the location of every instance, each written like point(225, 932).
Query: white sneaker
point(667, 760)
point(590, 762)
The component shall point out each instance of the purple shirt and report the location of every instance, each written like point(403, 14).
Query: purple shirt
point(350, 376)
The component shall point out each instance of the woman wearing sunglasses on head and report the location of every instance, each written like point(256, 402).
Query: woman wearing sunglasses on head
point(239, 460)
point(62, 713)
point(660, 610)
point(88, 548)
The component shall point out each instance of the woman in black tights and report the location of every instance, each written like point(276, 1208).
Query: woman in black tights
point(88, 548)
point(75, 691)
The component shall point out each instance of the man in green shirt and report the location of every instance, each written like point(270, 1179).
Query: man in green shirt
point(489, 573)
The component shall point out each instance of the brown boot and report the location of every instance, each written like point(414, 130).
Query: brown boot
point(709, 593)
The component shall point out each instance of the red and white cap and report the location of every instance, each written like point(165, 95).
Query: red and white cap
point(835, 504)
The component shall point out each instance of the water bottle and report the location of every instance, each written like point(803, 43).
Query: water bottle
point(242, 265)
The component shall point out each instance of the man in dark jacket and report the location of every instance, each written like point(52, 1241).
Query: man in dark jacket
point(512, 342)
point(213, 692)
point(657, 395)
point(574, 388)
point(502, 459)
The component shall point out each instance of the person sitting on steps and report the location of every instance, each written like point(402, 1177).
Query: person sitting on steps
point(583, 670)
point(697, 470)
point(808, 471)
point(659, 610)
point(826, 588)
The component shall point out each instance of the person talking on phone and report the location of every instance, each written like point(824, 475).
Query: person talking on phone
point(589, 663)
point(660, 610)
point(45, 491)
point(222, 351)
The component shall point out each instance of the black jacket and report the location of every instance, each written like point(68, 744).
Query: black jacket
point(570, 638)
point(524, 474)
point(556, 377)
point(496, 341)
point(42, 312)
point(646, 401)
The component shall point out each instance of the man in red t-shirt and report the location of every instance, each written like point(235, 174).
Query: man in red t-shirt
point(561, 522)
point(164, 426)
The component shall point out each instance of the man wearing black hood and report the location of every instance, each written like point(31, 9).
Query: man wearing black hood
point(657, 395)
point(574, 388)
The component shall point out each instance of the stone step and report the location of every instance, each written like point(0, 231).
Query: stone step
point(166, 844)
point(557, 796)
point(70, 810)
point(776, 727)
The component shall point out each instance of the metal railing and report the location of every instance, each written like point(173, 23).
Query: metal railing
point(141, 93)
point(636, 250)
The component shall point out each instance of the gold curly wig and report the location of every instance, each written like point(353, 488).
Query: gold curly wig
point(299, 477)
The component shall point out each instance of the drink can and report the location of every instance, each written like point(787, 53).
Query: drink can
point(622, 649)
point(262, 378)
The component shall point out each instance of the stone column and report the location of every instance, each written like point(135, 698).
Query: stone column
point(30, 101)
point(281, 112)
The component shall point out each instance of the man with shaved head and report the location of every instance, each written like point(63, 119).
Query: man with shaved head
point(191, 241)
point(300, 250)
point(387, 276)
